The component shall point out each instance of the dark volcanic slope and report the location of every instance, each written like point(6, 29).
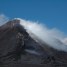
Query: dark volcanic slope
point(16, 46)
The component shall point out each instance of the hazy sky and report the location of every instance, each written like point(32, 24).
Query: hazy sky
point(53, 13)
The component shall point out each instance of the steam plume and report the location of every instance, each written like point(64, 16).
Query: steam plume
point(53, 37)
point(3, 19)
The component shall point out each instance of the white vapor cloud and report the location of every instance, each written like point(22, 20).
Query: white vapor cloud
point(53, 37)
point(3, 19)
point(64, 41)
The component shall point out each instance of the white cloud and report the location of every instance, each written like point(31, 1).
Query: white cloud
point(65, 41)
point(3, 19)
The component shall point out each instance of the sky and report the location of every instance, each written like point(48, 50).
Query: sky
point(53, 13)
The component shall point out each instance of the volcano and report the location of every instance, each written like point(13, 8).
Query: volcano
point(18, 47)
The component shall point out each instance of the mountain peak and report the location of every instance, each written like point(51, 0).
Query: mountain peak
point(16, 44)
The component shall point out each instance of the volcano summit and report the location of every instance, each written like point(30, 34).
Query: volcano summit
point(21, 46)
